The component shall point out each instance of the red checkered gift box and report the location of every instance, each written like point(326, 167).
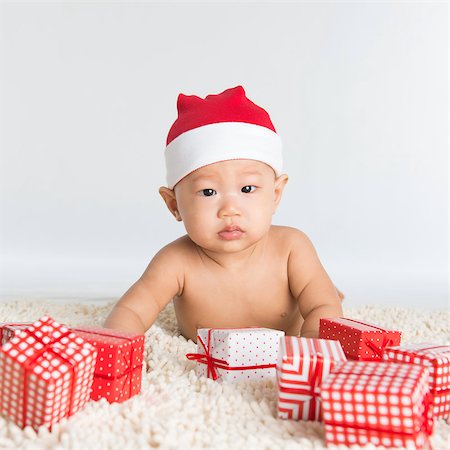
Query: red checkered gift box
point(46, 374)
point(381, 403)
point(441, 404)
point(436, 358)
point(118, 370)
point(302, 365)
point(9, 329)
point(359, 340)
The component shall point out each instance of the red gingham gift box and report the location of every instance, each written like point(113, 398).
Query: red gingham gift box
point(9, 329)
point(303, 364)
point(441, 404)
point(46, 374)
point(234, 354)
point(118, 370)
point(381, 403)
point(359, 340)
point(436, 358)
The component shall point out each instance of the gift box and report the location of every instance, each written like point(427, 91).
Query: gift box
point(360, 341)
point(381, 403)
point(9, 329)
point(46, 373)
point(436, 358)
point(118, 369)
point(303, 364)
point(232, 354)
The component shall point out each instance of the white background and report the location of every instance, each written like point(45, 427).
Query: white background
point(357, 90)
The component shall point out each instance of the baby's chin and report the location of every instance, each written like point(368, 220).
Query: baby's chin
point(224, 246)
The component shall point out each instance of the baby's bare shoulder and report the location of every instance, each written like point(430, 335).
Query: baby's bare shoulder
point(289, 237)
point(180, 249)
point(171, 261)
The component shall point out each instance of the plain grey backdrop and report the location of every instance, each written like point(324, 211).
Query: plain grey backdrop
point(357, 90)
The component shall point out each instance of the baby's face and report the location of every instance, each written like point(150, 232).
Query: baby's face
point(228, 206)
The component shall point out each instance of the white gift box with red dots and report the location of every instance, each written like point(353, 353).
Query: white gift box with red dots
point(359, 340)
point(303, 364)
point(8, 330)
point(380, 403)
point(46, 373)
point(118, 369)
point(436, 358)
point(236, 354)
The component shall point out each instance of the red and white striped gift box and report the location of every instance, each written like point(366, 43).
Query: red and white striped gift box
point(381, 403)
point(233, 354)
point(436, 358)
point(46, 374)
point(303, 364)
point(9, 329)
point(359, 340)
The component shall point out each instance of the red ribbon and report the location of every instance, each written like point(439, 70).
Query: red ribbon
point(28, 365)
point(214, 363)
point(378, 350)
point(313, 388)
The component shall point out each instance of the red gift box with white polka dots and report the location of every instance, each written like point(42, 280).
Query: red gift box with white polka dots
point(118, 370)
point(359, 340)
point(232, 354)
point(8, 330)
point(46, 373)
point(303, 364)
point(436, 358)
point(380, 403)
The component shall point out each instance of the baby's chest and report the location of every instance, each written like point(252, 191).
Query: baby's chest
point(258, 289)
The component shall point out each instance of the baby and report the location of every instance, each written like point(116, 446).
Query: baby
point(233, 268)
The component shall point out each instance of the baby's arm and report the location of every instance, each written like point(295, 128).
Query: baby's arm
point(140, 305)
point(310, 284)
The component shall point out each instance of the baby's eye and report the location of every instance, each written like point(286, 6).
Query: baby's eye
point(248, 189)
point(207, 192)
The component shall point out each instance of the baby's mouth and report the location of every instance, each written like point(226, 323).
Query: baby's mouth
point(231, 232)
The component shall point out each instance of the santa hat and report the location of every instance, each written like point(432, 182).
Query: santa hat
point(219, 128)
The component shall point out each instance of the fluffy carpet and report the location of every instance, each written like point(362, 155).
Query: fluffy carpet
point(176, 410)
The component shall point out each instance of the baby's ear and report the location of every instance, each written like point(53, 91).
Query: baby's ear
point(280, 183)
point(169, 198)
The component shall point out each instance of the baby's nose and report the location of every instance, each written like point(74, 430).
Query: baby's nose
point(229, 207)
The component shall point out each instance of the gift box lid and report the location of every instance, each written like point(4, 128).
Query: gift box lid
point(49, 349)
point(298, 351)
point(119, 352)
point(433, 356)
point(15, 325)
point(377, 395)
point(360, 340)
point(299, 360)
point(9, 329)
point(355, 324)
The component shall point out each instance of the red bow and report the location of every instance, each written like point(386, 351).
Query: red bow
point(378, 350)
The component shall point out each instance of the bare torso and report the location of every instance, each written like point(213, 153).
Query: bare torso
point(255, 293)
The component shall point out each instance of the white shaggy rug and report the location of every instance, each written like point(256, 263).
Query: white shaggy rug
point(176, 410)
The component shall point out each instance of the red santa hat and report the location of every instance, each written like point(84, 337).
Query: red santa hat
point(219, 128)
